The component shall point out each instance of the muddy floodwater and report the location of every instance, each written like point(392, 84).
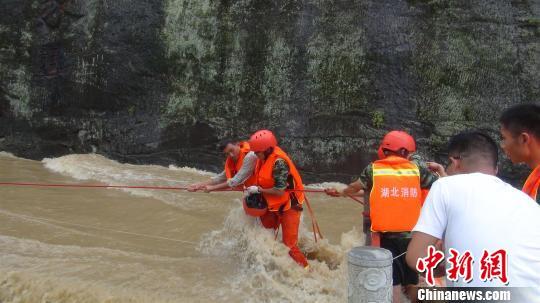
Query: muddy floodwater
point(138, 245)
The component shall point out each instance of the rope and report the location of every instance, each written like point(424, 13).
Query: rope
point(314, 223)
point(91, 186)
point(398, 256)
point(42, 220)
point(146, 187)
point(133, 187)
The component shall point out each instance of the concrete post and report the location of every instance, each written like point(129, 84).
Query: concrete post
point(370, 275)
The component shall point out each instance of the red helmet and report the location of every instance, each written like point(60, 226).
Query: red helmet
point(262, 140)
point(255, 205)
point(396, 140)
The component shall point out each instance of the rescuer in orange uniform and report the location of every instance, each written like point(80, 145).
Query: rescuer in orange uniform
point(520, 132)
point(239, 166)
point(395, 183)
point(276, 178)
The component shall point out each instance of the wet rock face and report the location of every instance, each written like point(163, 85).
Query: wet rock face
point(79, 76)
point(162, 81)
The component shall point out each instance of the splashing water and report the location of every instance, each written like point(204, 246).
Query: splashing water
point(66, 245)
point(267, 271)
point(99, 168)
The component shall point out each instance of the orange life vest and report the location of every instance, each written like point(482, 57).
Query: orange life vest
point(396, 198)
point(533, 182)
point(232, 167)
point(265, 179)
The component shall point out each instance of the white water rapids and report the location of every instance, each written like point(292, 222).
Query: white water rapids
point(139, 245)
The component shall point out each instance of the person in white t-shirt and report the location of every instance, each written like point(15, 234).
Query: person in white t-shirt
point(473, 210)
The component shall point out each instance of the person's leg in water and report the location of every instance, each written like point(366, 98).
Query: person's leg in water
point(411, 291)
point(270, 220)
point(290, 221)
point(396, 294)
point(404, 279)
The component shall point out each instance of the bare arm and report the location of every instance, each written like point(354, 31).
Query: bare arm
point(199, 185)
point(214, 180)
point(430, 227)
point(418, 249)
point(355, 189)
point(219, 186)
point(437, 168)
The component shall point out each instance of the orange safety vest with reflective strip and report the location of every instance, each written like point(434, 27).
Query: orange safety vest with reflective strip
point(265, 179)
point(396, 198)
point(533, 182)
point(232, 167)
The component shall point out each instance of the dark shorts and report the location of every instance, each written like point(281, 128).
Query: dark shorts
point(402, 274)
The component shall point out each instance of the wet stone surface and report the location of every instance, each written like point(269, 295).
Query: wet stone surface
point(162, 81)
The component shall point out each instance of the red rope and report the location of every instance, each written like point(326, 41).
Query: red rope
point(314, 223)
point(91, 186)
point(145, 187)
point(132, 187)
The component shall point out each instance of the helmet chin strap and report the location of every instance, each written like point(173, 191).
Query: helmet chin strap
point(268, 152)
point(383, 153)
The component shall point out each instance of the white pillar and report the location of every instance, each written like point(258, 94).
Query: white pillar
point(370, 275)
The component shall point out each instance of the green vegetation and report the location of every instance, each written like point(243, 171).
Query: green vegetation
point(377, 119)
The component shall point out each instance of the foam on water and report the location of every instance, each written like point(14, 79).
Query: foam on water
point(97, 167)
point(33, 271)
point(93, 167)
point(22, 287)
point(7, 155)
point(266, 270)
point(324, 185)
point(191, 170)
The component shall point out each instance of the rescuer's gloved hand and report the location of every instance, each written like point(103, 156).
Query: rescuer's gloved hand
point(253, 190)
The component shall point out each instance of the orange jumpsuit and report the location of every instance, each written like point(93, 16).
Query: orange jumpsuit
point(290, 221)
